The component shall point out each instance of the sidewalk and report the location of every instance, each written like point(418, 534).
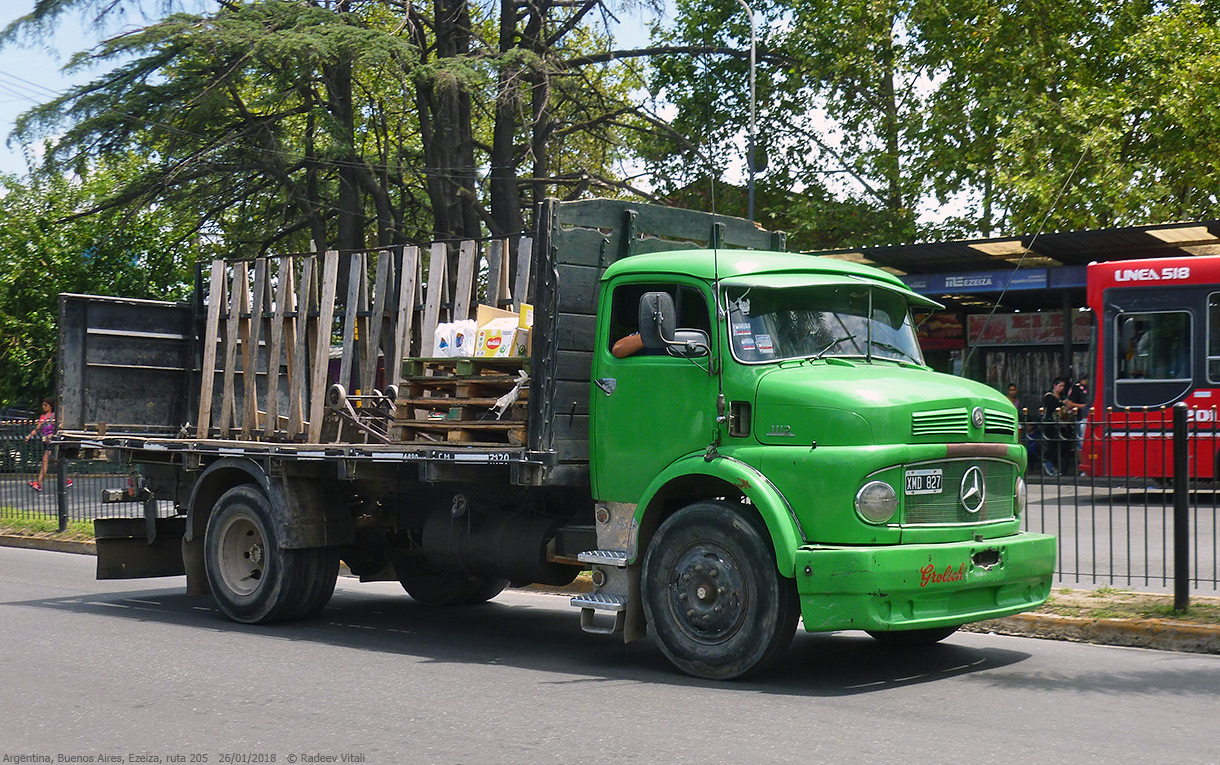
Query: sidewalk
point(1165, 634)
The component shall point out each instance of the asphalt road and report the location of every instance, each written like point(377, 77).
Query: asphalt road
point(139, 668)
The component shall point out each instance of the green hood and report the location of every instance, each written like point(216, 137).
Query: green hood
point(845, 403)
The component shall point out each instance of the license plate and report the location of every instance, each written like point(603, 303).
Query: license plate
point(927, 481)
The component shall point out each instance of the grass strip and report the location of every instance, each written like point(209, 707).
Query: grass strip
point(47, 528)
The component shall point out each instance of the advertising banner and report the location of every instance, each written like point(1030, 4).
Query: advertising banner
point(1035, 328)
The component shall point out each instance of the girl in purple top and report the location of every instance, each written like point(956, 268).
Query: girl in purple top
point(44, 429)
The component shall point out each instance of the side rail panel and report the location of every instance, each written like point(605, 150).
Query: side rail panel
point(124, 364)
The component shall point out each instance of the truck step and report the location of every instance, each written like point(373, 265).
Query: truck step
point(600, 602)
point(590, 604)
point(616, 558)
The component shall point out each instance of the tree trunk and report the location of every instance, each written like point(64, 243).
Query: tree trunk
point(449, 149)
point(505, 196)
point(540, 92)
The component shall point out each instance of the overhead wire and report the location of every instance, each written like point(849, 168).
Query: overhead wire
point(1029, 247)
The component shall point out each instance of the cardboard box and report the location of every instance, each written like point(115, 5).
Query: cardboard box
point(500, 333)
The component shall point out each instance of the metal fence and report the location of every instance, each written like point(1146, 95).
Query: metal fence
point(1109, 496)
point(1110, 499)
point(23, 496)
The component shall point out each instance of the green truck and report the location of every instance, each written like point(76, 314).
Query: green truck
point(730, 437)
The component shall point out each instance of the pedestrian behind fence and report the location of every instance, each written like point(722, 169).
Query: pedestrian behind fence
point(1054, 454)
point(1028, 433)
point(1078, 400)
point(44, 429)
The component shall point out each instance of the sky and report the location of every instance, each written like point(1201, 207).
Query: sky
point(30, 76)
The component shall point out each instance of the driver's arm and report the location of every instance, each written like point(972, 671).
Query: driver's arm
point(627, 346)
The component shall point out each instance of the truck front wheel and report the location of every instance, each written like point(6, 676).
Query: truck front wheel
point(713, 597)
point(255, 580)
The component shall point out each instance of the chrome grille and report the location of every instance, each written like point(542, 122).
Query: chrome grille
point(941, 422)
point(999, 423)
point(945, 508)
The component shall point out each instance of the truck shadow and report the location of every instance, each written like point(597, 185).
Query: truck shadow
point(540, 633)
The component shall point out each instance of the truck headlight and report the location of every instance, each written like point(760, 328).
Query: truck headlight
point(876, 502)
point(1019, 500)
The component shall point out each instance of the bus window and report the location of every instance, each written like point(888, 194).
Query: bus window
point(1213, 337)
point(1153, 346)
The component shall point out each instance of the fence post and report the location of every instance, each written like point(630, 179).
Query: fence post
point(61, 492)
point(1181, 527)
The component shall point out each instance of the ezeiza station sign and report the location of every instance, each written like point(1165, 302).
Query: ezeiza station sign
point(997, 281)
point(981, 281)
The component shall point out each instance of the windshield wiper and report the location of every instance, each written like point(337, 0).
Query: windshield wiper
point(895, 349)
point(833, 343)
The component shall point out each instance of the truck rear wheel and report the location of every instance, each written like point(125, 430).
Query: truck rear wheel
point(713, 597)
point(254, 579)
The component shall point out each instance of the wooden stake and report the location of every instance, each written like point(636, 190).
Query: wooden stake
point(211, 332)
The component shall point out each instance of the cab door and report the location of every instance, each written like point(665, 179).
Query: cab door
point(650, 408)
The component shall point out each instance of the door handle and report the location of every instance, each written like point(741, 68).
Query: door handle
point(607, 384)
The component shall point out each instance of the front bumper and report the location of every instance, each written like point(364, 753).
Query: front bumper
point(901, 587)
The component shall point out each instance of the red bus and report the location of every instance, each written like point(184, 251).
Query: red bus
point(1158, 343)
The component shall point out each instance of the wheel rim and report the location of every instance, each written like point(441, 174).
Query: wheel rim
point(243, 555)
point(707, 593)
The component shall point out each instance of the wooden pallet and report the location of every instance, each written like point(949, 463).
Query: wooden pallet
point(451, 400)
point(458, 387)
point(494, 432)
point(465, 366)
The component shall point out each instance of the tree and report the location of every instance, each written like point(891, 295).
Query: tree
point(905, 120)
point(1132, 139)
point(350, 123)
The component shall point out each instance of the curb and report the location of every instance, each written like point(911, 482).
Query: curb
point(53, 545)
point(1159, 634)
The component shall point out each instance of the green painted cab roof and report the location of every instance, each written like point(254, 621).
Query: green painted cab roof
point(728, 264)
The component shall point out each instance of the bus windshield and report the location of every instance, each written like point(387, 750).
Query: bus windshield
point(845, 320)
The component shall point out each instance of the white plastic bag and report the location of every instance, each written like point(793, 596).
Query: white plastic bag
point(463, 337)
point(442, 343)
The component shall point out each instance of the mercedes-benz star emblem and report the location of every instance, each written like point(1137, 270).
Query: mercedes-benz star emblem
point(977, 417)
point(974, 490)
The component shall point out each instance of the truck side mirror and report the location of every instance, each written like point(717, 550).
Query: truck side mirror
point(690, 344)
point(657, 319)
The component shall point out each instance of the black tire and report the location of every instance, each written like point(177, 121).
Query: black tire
point(912, 638)
point(255, 580)
point(443, 588)
point(324, 572)
point(714, 599)
point(485, 589)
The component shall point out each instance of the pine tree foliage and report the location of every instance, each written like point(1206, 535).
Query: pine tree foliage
point(349, 123)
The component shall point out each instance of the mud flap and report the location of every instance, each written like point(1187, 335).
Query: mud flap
point(124, 550)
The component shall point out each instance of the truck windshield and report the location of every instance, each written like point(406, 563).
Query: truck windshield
point(772, 324)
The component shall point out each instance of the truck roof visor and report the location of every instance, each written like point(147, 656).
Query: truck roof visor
point(782, 281)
